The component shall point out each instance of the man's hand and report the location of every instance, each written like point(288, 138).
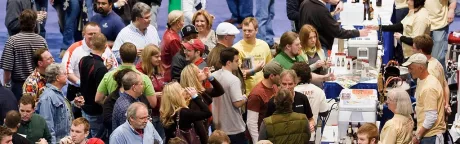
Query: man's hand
point(66, 140)
point(364, 32)
point(450, 16)
point(51, 2)
point(397, 35)
point(259, 66)
point(79, 101)
point(121, 3)
point(109, 63)
point(338, 8)
point(41, 16)
point(415, 141)
point(42, 141)
point(312, 127)
point(447, 109)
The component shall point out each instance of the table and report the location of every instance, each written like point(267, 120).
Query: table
point(333, 89)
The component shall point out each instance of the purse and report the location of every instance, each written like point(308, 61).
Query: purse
point(188, 136)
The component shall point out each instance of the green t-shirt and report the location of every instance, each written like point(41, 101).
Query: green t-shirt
point(108, 83)
point(286, 62)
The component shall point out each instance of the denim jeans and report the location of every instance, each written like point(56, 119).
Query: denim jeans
point(432, 140)
point(440, 44)
point(240, 9)
point(71, 14)
point(58, 6)
point(154, 11)
point(95, 123)
point(238, 138)
point(40, 5)
point(158, 126)
point(265, 14)
point(89, 8)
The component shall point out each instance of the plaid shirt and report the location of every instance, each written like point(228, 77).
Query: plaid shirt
point(34, 85)
point(120, 108)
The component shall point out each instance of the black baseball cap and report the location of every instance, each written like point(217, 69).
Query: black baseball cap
point(188, 30)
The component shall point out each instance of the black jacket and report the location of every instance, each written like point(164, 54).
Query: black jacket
point(177, 65)
point(92, 70)
point(293, 12)
point(315, 13)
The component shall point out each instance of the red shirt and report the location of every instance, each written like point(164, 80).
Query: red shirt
point(171, 44)
point(258, 99)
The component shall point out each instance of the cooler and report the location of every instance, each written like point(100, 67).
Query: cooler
point(364, 48)
point(356, 105)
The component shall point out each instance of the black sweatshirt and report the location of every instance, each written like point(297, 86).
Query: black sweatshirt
point(397, 28)
point(187, 117)
point(315, 13)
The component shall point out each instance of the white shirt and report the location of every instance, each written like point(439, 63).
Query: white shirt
point(317, 99)
point(132, 34)
point(189, 9)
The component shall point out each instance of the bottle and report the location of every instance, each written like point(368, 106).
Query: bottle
point(379, 3)
point(348, 65)
point(371, 12)
point(364, 2)
point(338, 61)
point(343, 62)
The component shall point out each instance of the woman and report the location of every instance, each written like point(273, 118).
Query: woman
point(414, 24)
point(189, 7)
point(191, 76)
point(398, 130)
point(311, 50)
point(150, 65)
point(171, 43)
point(285, 126)
point(203, 23)
point(174, 107)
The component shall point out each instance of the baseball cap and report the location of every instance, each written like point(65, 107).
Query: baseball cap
point(95, 141)
point(226, 28)
point(194, 44)
point(188, 30)
point(273, 67)
point(416, 58)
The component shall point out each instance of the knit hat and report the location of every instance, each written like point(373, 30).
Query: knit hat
point(272, 67)
point(95, 141)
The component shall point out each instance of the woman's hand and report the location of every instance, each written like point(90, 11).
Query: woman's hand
point(372, 27)
point(319, 63)
point(191, 91)
point(397, 35)
point(207, 72)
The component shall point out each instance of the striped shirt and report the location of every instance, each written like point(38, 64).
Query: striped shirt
point(17, 55)
point(132, 34)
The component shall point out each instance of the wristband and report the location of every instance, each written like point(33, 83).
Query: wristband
point(194, 96)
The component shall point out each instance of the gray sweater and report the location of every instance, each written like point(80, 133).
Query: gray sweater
point(13, 11)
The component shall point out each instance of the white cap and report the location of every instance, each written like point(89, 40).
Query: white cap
point(226, 28)
point(416, 58)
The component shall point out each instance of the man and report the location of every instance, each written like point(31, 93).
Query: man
point(14, 9)
point(194, 50)
point(178, 61)
point(33, 126)
point(53, 106)
point(429, 109)
point(12, 122)
point(441, 14)
point(240, 10)
point(301, 103)
point(76, 52)
point(92, 70)
point(108, 84)
point(78, 132)
point(16, 59)
point(139, 32)
point(155, 7)
point(368, 134)
point(35, 83)
point(253, 53)
point(315, 13)
point(316, 96)
point(259, 97)
point(132, 87)
point(424, 44)
point(225, 36)
point(290, 52)
point(6, 136)
point(226, 109)
point(265, 14)
point(137, 128)
point(110, 23)
point(7, 102)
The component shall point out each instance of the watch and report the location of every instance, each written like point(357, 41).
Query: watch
point(8, 85)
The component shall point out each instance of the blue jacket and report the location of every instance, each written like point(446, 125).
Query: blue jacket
point(125, 134)
point(54, 107)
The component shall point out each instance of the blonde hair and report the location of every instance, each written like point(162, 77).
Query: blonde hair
point(304, 35)
point(189, 78)
point(171, 102)
point(174, 16)
point(209, 19)
point(146, 57)
point(402, 100)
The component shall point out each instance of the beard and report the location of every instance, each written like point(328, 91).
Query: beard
point(101, 11)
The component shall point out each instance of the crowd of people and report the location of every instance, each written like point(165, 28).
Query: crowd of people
point(125, 84)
